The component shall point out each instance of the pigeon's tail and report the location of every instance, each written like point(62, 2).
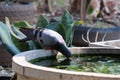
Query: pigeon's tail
point(27, 31)
point(63, 49)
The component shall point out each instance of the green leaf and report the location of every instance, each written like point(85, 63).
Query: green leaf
point(58, 27)
point(42, 22)
point(52, 26)
point(66, 19)
point(6, 39)
point(61, 30)
point(67, 22)
point(23, 23)
point(69, 36)
point(17, 35)
point(73, 67)
point(90, 10)
point(7, 21)
point(22, 46)
point(31, 45)
point(14, 31)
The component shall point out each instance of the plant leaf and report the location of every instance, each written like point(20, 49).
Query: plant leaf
point(61, 30)
point(42, 22)
point(67, 22)
point(23, 23)
point(52, 26)
point(31, 45)
point(6, 40)
point(66, 18)
point(14, 31)
point(58, 27)
point(18, 35)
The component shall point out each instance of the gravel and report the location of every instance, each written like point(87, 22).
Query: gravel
point(6, 72)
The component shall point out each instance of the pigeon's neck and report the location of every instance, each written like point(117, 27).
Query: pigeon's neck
point(37, 34)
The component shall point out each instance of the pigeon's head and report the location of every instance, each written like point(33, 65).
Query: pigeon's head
point(63, 49)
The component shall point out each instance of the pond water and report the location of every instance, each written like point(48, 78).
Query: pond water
point(109, 64)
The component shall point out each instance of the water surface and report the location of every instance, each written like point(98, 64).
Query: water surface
point(109, 64)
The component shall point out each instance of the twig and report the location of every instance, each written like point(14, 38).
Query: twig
point(103, 39)
point(88, 32)
point(84, 39)
point(81, 9)
point(96, 37)
point(87, 40)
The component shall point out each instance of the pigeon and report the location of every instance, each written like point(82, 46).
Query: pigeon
point(48, 38)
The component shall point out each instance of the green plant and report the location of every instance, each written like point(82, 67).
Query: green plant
point(17, 35)
point(63, 27)
point(7, 40)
